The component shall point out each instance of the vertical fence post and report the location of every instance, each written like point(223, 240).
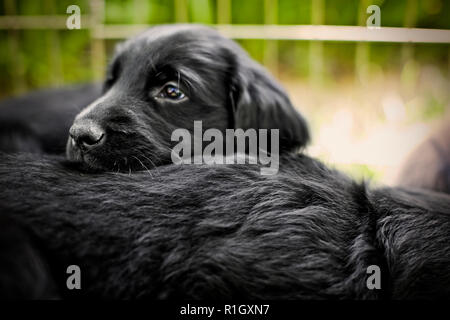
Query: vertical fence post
point(181, 11)
point(224, 11)
point(362, 54)
point(201, 11)
point(409, 69)
point(316, 47)
point(409, 21)
point(98, 58)
point(54, 49)
point(271, 46)
point(18, 81)
point(140, 11)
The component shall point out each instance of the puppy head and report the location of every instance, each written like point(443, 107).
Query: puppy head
point(167, 78)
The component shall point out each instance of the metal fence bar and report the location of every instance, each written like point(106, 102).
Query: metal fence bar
point(316, 48)
point(263, 32)
point(271, 46)
point(304, 32)
point(181, 11)
point(141, 11)
point(410, 20)
point(54, 48)
point(335, 33)
point(98, 55)
point(17, 72)
point(224, 11)
point(362, 50)
point(14, 22)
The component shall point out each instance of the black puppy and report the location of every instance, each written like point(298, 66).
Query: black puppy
point(217, 232)
point(164, 79)
point(167, 78)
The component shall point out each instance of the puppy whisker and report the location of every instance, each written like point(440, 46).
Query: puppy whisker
point(143, 166)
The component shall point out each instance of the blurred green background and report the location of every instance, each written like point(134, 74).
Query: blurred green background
point(368, 104)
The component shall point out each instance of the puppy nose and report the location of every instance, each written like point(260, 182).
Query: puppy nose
point(87, 134)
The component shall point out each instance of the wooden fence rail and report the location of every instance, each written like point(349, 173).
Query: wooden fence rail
point(270, 31)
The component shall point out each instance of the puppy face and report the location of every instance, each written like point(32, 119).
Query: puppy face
point(167, 78)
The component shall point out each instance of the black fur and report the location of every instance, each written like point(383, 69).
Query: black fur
point(24, 272)
point(217, 232)
point(39, 122)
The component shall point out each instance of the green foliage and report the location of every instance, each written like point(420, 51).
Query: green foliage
point(433, 108)
point(38, 58)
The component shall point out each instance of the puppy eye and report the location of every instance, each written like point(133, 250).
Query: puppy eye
point(172, 92)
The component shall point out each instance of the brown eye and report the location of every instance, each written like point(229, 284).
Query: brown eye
point(172, 92)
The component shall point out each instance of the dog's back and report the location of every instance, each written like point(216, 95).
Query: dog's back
point(228, 232)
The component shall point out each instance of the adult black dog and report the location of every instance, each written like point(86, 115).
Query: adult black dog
point(39, 122)
point(216, 232)
point(166, 78)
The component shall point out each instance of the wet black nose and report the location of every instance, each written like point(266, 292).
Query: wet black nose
point(87, 134)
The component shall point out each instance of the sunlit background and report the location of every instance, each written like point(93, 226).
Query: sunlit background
point(368, 104)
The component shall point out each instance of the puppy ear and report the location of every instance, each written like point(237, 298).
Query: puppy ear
point(259, 102)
